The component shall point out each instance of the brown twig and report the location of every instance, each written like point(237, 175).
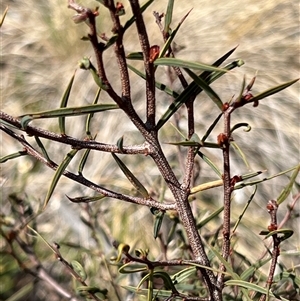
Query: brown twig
point(76, 143)
point(272, 207)
point(119, 50)
point(287, 216)
point(180, 192)
point(81, 180)
point(170, 51)
point(190, 105)
point(224, 143)
point(187, 218)
point(123, 102)
point(89, 17)
point(148, 64)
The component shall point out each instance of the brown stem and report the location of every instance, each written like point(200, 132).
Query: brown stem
point(170, 52)
point(129, 110)
point(224, 142)
point(76, 143)
point(187, 218)
point(272, 209)
point(90, 16)
point(287, 216)
point(81, 180)
point(149, 67)
point(180, 192)
point(120, 51)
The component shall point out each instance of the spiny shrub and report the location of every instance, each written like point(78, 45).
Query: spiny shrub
point(152, 168)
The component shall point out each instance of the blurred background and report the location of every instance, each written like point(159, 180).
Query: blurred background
point(40, 50)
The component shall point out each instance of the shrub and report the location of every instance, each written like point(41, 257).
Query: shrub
point(145, 232)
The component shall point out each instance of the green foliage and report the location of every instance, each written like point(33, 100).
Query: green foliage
point(192, 245)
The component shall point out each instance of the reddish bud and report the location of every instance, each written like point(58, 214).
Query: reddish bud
point(154, 53)
point(270, 207)
point(120, 11)
point(235, 179)
point(247, 96)
point(119, 5)
point(96, 13)
point(272, 227)
point(225, 106)
point(222, 140)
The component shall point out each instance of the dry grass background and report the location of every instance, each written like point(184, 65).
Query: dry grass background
point(40, 49)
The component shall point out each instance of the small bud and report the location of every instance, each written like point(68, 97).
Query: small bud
point(154, 53)
point(85, 38)
point(247, 97)
point(173, 214)
point(225, 106)
point(272, 227)
point(96, 11)
point(120, 11)
point(124, 248)
point(270, 207)
point(222, 140)
point(234, 180)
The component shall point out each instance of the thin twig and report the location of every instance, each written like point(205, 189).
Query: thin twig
point(188, 166)
point(287, 216)
point(170, 52)
point(272, 207)
point(149, 67)
point(76, 143)
point(81, 180)
point(123, 102)
point(120, 51)
point(188, 221)
point(90, 18)
point(224, 142)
